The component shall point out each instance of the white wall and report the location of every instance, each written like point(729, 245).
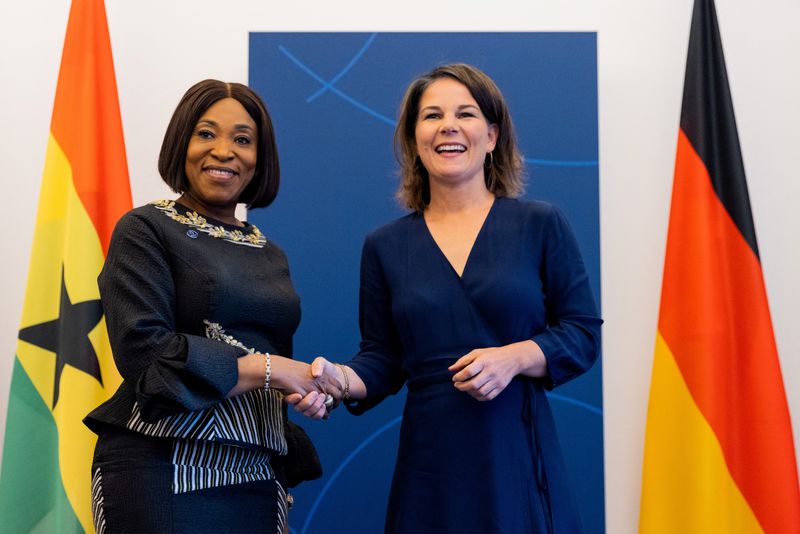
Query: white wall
point(161, 48)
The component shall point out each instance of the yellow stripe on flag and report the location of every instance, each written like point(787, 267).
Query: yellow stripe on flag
point(80, 393)
point(686, 487)
point(44, 273)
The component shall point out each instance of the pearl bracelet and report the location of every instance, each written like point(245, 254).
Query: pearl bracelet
point(267, 370)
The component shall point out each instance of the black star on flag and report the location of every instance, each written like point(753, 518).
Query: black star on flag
point(68, 336)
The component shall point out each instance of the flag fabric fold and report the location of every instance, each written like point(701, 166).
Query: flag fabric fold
point(63, 366)
point(719, 454)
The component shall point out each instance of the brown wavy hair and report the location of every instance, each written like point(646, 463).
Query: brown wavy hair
point(504, 173)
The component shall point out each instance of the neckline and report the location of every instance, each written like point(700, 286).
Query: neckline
point(248, 235)
point(216, 222)
point(474, 245)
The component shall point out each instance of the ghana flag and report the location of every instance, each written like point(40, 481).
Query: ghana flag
point(719, 455)
point(63, 366)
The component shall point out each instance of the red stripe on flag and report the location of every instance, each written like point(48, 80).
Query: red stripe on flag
point(715, 318)
point(86, 118)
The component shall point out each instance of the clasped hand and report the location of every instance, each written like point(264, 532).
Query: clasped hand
point(481, 373)
point(307, 386)
point(311, 402)
point(485, 373)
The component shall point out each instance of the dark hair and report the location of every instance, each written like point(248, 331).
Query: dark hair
point(504, 177)
point(263, 188)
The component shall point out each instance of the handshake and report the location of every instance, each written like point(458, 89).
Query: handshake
point(319, 388)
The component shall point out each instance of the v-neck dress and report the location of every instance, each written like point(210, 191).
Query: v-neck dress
point(462, 465)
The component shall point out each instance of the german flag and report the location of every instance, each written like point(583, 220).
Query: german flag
point(63, 366)
point(719, 455)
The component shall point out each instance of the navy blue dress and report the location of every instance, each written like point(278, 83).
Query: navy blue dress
point(462, 465)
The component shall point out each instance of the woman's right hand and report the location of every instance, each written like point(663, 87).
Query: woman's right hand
point(293, 377)
point(329, 379)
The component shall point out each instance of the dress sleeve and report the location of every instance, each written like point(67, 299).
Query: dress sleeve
point(571, 341)
point(379, 360)
point(170, 372)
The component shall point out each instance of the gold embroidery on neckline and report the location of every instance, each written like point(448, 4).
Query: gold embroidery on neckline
point(253, 239)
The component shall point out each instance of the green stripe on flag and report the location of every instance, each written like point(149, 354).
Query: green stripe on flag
point(32, 497)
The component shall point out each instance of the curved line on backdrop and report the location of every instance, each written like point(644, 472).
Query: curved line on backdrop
point(350, 457)
point(334, 90)
point(575, 402)
point(562, 162)
point(328, 86)
point(344, 71)
point(372, 437)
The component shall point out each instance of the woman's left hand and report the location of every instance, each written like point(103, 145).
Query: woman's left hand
point(319, 404)
point(311, 405)
point(485, 373)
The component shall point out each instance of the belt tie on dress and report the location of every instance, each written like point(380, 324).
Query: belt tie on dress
point(529, 416)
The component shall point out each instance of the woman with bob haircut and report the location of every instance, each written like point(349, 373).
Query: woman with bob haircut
point(201, 312)
point(478, 302)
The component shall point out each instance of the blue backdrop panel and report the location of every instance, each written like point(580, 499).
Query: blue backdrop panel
point(334, 99)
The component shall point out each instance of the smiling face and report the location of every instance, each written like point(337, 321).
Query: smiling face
point(452, 134)
point(220, 159)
